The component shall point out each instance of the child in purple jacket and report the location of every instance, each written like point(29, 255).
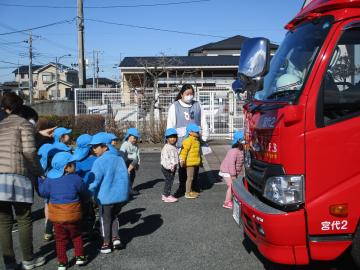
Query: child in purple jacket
point(232, 165)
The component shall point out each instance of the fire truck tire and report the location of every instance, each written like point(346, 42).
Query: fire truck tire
point(355, 248)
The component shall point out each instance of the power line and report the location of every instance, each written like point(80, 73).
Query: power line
point(38, 27)
point(13, 42)
point(110, 6)
point(5, 75)
point(155, 29)
point(11, 63)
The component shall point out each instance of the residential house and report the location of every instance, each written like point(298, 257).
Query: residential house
point(50, 81)
point(9, 87)
point(207, 66)
point(100, 82)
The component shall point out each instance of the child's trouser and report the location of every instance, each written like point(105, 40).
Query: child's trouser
point(132, 174)
point(88, 216)
point(109, 221)
point(23, 217)
point(48, 224)
point(169, 180)
point(191, 173)
point(63, 233)
point(183, 179)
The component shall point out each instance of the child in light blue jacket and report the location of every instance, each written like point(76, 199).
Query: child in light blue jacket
point(131, 153)
point(109, 184)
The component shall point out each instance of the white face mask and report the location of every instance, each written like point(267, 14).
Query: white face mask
point(188, 99)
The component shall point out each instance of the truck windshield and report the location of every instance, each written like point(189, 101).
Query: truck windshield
point(293, 61)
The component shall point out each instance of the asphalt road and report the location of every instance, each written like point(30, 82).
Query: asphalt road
point(190, 234)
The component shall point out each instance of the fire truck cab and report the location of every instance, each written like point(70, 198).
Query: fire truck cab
point(299, 200)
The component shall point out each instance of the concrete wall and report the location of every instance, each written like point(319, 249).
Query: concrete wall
point(60, 108)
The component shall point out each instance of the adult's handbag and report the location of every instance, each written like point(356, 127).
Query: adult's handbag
point(205, 149)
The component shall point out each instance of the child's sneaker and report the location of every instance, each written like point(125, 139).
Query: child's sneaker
point(81, 260)
point(170, 199)
point(188, 195)
point(36, 262)
point(117, 243)
point(105, 249)
point(163, 197)
point(228, 205)
point(194, 193)
point(62, 266)
point(48, 236)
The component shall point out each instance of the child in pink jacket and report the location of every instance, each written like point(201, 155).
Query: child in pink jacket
point(232, 165)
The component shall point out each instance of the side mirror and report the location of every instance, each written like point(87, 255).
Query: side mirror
point(254, 58)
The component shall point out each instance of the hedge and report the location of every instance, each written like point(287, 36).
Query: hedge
point(92, 124)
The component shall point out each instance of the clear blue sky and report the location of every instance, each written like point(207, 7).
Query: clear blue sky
point(223, 18)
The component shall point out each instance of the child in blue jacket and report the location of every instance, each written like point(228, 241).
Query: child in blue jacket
point(45, 161)
point(109, 186)
point(62, 139)
point(84, 161)
point(64, 189)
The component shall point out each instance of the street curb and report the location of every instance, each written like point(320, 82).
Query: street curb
point(206, 164)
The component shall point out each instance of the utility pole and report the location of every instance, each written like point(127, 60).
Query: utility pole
point(30, 70)
point(56, 79)
point(80, 28)
point(94, 68)
point(18, 74)
point(97, 69)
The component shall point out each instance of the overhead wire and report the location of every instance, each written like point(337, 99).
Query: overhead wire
point(154, 28)
point(39, 27)
point(108, 6)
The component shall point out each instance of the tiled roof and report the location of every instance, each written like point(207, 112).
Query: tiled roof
point(232, 43)
point(25, 69)
point(180, 61)
point(102, 80)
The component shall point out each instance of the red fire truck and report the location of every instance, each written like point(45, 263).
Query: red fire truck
point(299, 200)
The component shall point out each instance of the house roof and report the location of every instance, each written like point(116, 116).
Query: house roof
point(36, 68)
point(180, 61)
point(102, 80)
point(25, 69)
point(60, 66)
point(60, 82)
point(232, 43)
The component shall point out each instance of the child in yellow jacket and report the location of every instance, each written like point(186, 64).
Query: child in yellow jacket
point(190, 157)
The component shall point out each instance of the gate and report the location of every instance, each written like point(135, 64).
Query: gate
point(223, 111)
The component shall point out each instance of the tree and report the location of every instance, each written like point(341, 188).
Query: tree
point(145, 86)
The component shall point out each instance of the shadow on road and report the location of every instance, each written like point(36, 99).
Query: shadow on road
point(148, 184)
point(208, 179)
point(148, 225)
point(91, 249)
point(343, 263)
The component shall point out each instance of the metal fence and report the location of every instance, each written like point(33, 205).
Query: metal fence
point(133, 108)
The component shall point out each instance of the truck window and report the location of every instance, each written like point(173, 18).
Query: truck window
point(293, 61)
point(341, 83)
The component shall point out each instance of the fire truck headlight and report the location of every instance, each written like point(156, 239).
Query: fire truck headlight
point(285, 190)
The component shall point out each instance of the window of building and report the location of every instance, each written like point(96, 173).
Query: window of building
point(47, 78)
point(340, 92)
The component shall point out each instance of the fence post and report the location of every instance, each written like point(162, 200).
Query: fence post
point(76, 100)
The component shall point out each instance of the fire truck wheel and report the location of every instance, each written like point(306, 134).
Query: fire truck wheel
point(355, 248)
